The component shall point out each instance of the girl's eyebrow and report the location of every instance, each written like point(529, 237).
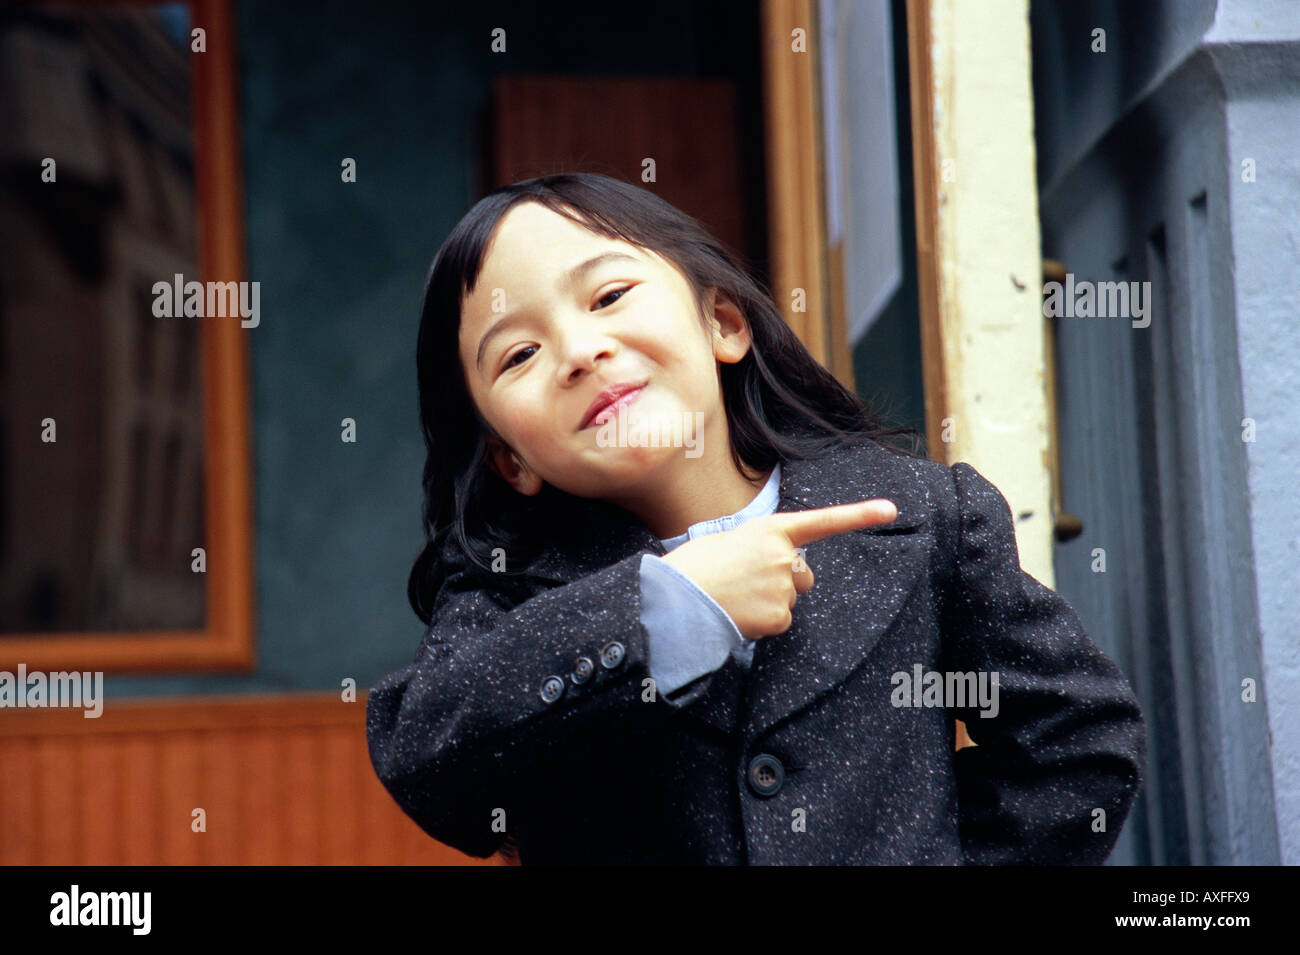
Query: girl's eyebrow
point(568, 281)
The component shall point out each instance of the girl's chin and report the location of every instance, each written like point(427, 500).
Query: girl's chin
point(629, 460)
point(621, 467)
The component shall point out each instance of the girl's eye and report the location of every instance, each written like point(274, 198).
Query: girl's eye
point(510, 363)
point(617, 291)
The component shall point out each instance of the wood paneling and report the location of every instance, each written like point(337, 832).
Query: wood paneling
point(688, 128)
point(284, 780)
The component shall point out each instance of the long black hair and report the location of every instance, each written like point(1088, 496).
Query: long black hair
point(781, 404)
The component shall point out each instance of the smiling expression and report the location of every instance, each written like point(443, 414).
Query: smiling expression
point(558, 315)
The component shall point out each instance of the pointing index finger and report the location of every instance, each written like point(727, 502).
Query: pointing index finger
point(803, 527)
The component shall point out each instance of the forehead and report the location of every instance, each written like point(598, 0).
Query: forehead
point(532, 242)
point(528, 252)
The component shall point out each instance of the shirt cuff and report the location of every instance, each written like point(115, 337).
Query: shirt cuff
point(689, 632)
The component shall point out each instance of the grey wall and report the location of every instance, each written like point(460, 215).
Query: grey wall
point(342, 266)
point(1078, 94)
point(1140, 179)
point(1256, 56)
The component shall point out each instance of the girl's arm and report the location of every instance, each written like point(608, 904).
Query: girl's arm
point(453, 734)
point(1068, 738)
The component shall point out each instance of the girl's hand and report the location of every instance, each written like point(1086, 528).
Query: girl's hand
point(754, 571)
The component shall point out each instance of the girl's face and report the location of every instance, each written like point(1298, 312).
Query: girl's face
point(558, 315)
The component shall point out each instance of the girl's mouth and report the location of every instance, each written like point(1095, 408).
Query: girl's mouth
point(610, 410)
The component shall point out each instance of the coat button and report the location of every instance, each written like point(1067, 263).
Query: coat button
point(611, 654)
point(583, 668)
point(552, 689)
point(766, 774)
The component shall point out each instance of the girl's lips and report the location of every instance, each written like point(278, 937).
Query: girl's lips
point(613, 408)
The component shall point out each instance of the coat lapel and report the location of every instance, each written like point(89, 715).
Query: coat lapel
point(863, 580)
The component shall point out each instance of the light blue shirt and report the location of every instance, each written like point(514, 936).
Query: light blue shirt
point(690, 635)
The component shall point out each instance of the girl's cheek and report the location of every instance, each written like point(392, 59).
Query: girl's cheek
point(535, 419)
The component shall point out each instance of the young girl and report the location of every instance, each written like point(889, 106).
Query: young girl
point(685, 602)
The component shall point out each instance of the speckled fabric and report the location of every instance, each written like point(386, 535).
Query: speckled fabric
point(610, 773)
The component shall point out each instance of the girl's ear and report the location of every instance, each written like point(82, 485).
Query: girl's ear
point(731, 339)
point(512, 468)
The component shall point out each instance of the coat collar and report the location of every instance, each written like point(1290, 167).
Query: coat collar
point(863, 580)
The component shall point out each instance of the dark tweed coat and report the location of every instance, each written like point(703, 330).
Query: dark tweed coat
point(611, 772)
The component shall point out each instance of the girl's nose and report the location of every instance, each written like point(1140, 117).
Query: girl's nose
point(582, 345)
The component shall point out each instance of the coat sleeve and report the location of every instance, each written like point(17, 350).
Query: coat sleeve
point(1068, 737)
point(456, 733)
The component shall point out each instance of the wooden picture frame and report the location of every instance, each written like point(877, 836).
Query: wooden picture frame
point(225, 643)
